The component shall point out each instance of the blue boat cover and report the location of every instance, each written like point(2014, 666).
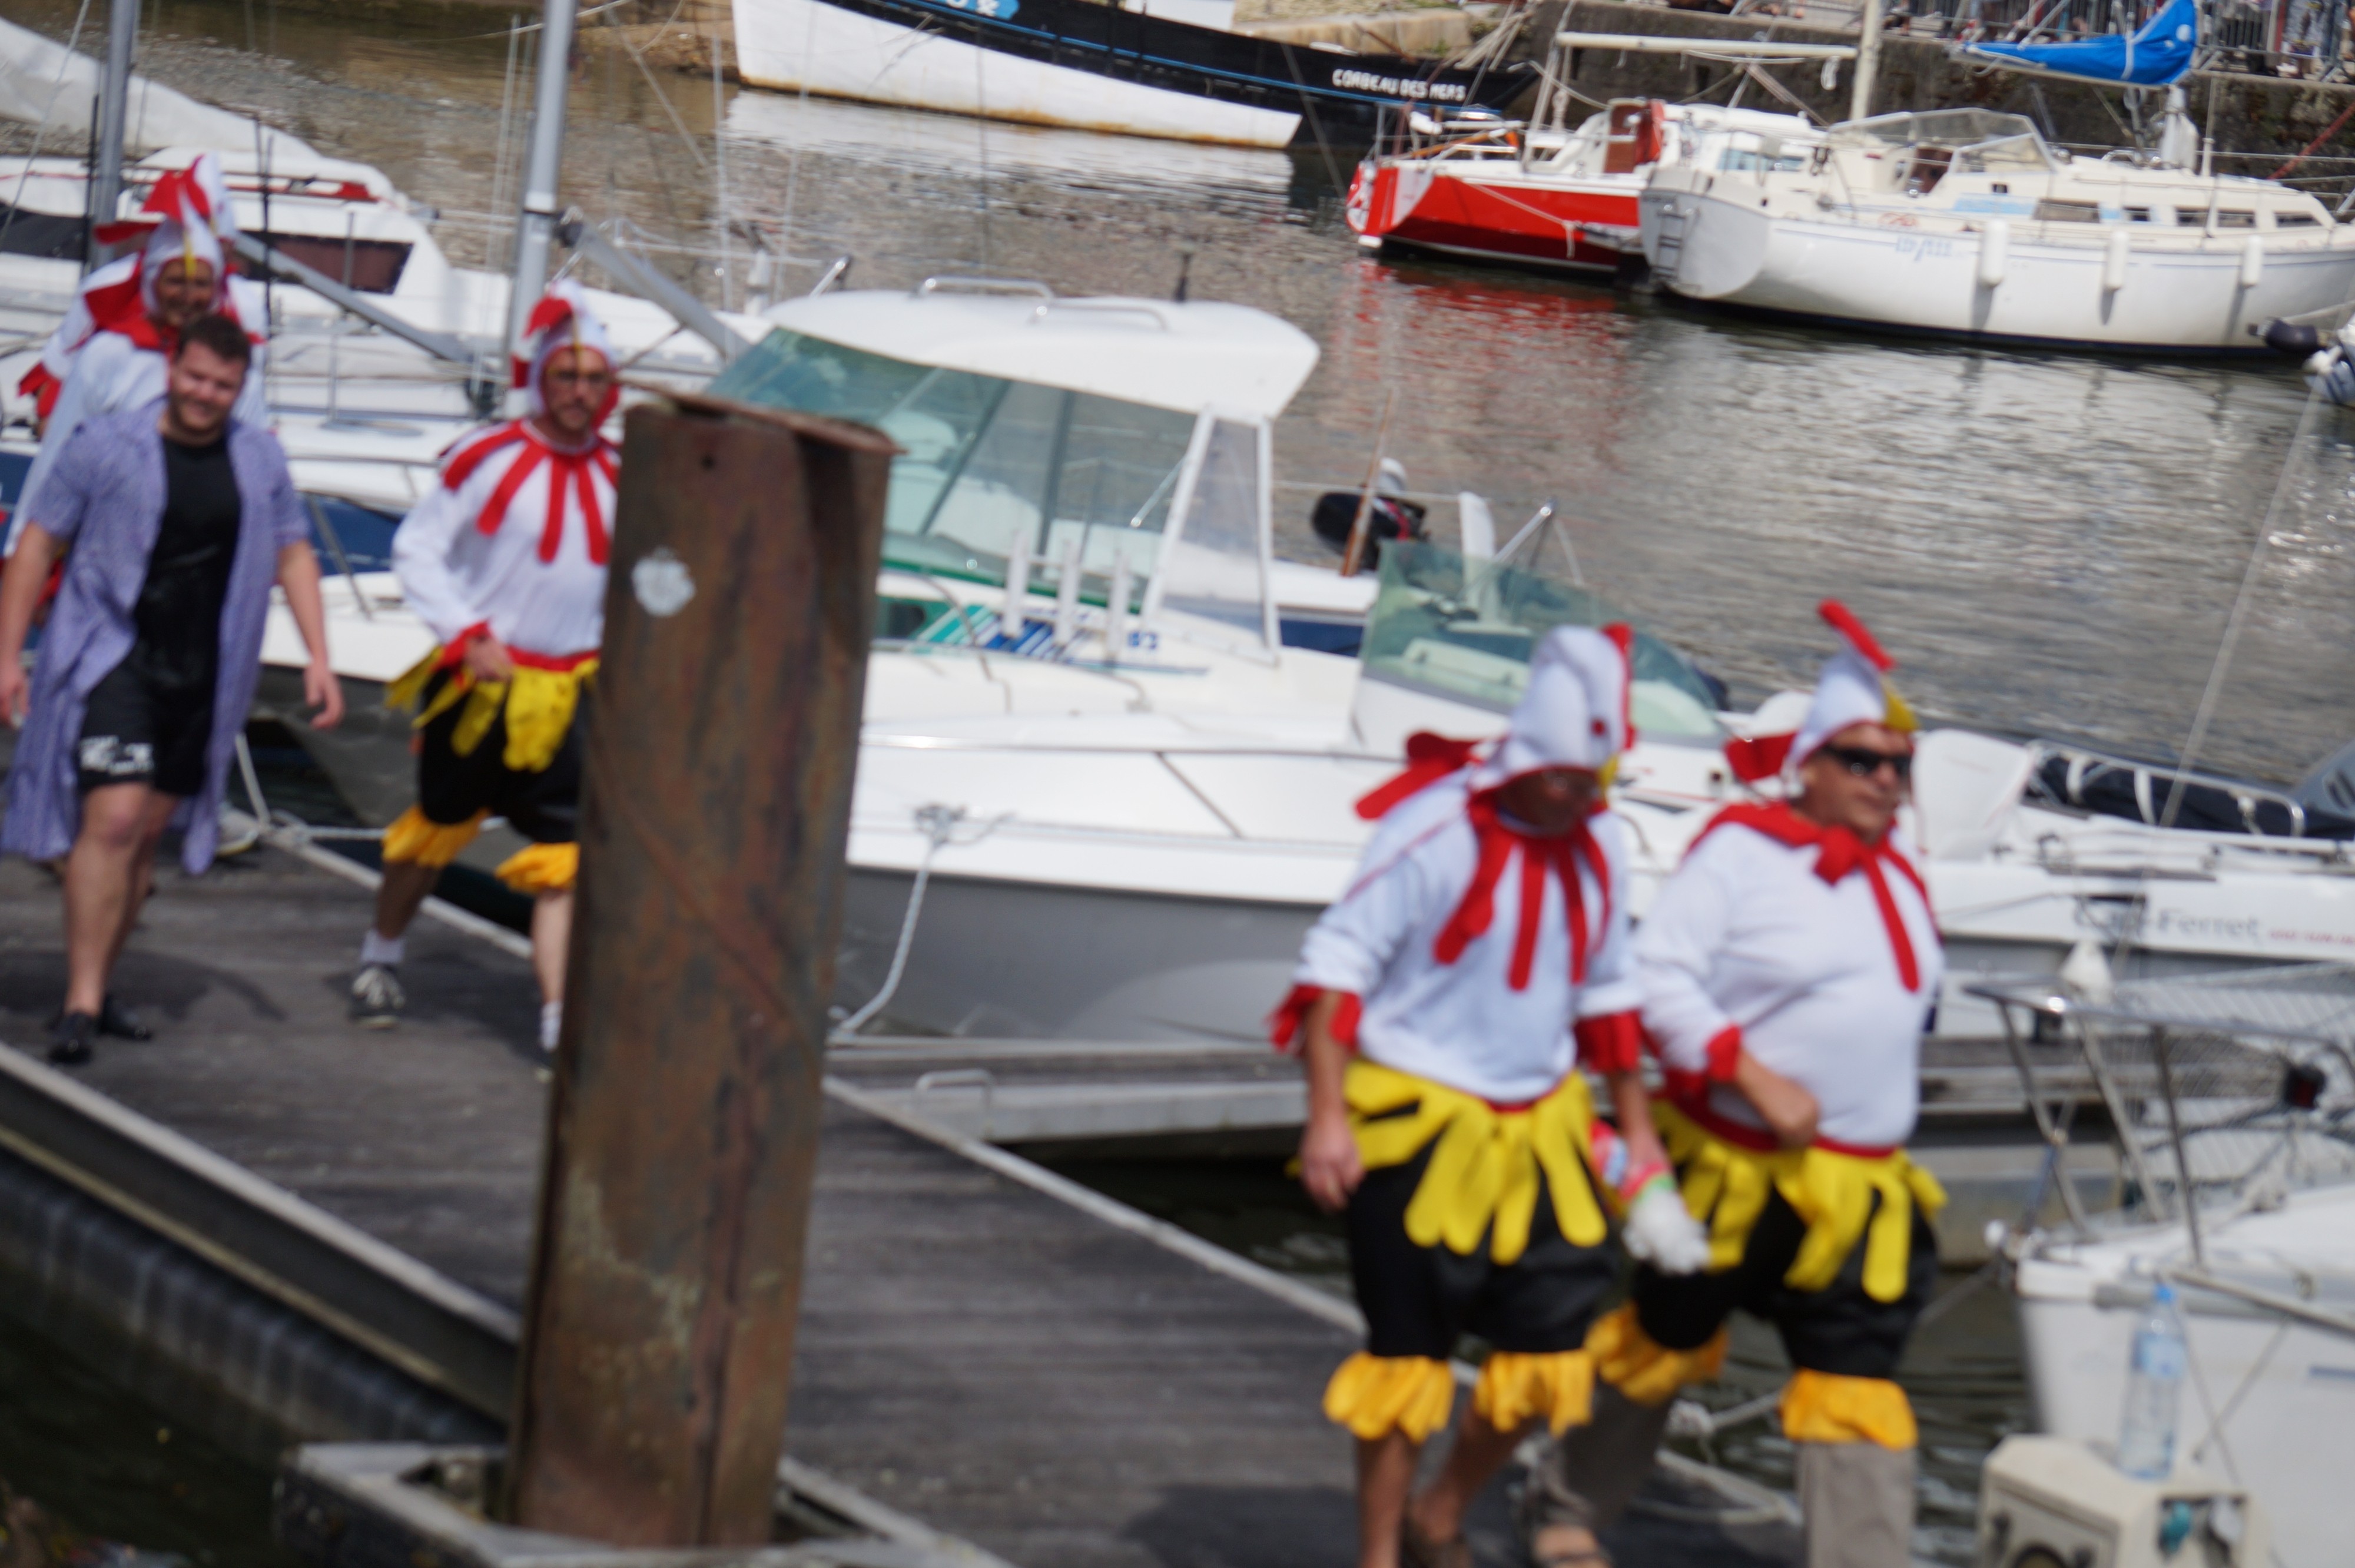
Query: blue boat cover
point(2156, 57)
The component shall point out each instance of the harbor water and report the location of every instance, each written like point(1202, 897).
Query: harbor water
point(2048, 543)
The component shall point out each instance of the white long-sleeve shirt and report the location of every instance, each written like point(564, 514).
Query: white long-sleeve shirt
point(460, 580)
point(1746, 936)
point(1463, 1024)
point(111, 373)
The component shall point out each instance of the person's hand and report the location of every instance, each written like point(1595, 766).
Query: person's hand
point(1330, 1167)
point(1788, 1109)
point(323, 692)
point(487, 660)
point(15, 691)
point(1662, 1232)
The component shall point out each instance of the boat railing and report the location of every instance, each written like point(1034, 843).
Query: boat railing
point(1145, 308)
point(2223, 1090)
point(944, 283)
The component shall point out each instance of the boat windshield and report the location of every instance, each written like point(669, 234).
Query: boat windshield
point(1465, 630)
point(1982, 140)
point(984, 461)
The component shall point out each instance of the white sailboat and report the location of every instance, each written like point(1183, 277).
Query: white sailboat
point(1966, 222)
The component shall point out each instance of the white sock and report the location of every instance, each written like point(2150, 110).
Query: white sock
point(384, 950)
point(551, 1024)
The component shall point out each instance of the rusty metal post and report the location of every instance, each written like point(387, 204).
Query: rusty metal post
point(666, 1278)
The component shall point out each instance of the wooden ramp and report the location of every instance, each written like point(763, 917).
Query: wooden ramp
point(1029, 1369)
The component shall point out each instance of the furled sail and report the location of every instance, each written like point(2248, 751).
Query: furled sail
point(43, 83)
point(2157, 56)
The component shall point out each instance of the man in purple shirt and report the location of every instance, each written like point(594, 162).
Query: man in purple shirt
point(179, 519)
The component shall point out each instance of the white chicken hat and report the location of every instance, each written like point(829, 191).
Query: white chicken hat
point(1575, 711)
point(1852, 688)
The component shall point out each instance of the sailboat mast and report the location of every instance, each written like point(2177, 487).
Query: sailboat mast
point(1868, 60)
point(113, 110)
point(543, 161)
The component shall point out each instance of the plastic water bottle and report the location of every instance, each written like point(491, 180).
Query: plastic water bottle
point(2154, 1391)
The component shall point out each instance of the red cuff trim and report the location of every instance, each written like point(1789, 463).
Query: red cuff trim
point(1724, 1049)
point(1287, 1027)
point(1611, 1043)
point(453, 651)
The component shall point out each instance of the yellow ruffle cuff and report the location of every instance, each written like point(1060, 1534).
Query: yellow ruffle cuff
point(538, 704)
point(1374, 1396)
point(1645, 1370)
point(1516, 1385)
point(541, 868)
point(1833, 1194)
point(413, 840)
point(1824, 1407)
point(1483, 1178)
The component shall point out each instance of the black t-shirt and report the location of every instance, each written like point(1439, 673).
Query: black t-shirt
point(179, 611)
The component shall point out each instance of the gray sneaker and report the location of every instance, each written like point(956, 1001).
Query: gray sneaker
point(376, 996)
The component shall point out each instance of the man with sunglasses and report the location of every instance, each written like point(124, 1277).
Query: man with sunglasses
point(1788, 969)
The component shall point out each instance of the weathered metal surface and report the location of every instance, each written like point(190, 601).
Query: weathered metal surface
point(683, 1129)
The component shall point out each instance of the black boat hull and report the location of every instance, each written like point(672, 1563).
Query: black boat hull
point(1094, 67)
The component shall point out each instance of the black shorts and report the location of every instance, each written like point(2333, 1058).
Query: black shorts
point(1837, 1329)
point(1419, 1301)
point(138, 729)
point(544, 806)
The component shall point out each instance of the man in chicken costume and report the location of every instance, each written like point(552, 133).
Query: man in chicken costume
point(1444, 1004)
point(506, 560)
point(111, 350)
point(1787, 971)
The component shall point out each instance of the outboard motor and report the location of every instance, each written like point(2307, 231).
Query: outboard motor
point(1391, 516)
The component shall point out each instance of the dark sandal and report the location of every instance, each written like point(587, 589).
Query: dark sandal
point(1417, 1550)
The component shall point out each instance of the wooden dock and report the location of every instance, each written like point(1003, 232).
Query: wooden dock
point(1016, 1364)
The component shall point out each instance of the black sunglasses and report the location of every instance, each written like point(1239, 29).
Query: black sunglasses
point(1864, 763)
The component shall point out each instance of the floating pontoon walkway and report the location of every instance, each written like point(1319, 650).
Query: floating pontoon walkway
point(322, 1232)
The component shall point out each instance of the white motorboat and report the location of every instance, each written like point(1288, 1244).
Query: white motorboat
point(1964, 221)
point(2232, 1099)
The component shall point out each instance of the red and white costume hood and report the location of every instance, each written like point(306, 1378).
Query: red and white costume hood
point(1851, 689)
point(109, 354)
point(514, 540)
point(1474, 954)
point(1814, 951)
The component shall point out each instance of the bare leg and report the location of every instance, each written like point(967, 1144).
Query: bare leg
point(1480, 1450)
point(143, 872)
point(1385, 1474)
point(113, 859)
point(403, 892)
point(551, 934)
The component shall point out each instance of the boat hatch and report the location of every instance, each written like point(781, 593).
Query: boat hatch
point(1464, 631)
point(990, 466)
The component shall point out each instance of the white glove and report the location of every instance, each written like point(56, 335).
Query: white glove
point(1660, 1230)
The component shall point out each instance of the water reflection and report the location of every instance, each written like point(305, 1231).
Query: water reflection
point(91, 1477)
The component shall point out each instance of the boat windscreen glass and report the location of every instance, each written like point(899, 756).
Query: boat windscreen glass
point(1982, 139)
point(985, 460)
point(1465, 630)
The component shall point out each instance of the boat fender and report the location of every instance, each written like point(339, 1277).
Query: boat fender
point(2114, 253)
point(2253, 262)
point(2293, 337)
point(1995, 246)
